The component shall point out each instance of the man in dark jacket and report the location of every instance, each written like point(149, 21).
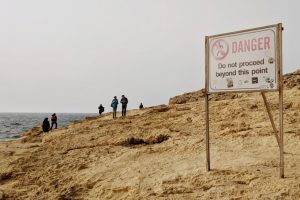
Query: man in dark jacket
point(124, 102)
point(46, 125)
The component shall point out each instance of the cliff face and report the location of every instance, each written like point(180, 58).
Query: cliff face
point(159, 153)
point(290, 81)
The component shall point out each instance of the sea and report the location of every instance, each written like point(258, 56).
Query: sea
point(13, 124)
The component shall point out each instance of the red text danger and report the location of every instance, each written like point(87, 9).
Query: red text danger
point(255, 44)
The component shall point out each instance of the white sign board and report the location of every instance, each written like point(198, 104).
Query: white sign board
point(243, 61)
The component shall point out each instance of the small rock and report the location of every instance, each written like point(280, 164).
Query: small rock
point(242, 126)
point(253, 106)
point(287, 106)
point(189, 119)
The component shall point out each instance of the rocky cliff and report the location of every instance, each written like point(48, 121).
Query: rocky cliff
point(290, 80)
point(159, 153)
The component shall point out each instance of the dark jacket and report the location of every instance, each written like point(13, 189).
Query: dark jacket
point(54, 118)
point(101, 109)
point(124, 101)
point(141, 106)
point(46, 125)
point(114, 103)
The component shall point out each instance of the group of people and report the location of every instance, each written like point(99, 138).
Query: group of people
point(46, 124)
point(114, 105)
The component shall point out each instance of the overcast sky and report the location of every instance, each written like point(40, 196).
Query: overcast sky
point(72, 55)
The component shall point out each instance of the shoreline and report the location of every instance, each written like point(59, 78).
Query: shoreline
point(19, 123)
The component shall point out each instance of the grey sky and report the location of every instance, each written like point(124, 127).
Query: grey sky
point(72, 55)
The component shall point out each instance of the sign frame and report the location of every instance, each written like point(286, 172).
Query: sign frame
point(279, 88)
point(277, 55)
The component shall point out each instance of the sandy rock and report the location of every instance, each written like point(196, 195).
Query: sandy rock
point(32, 135)
point(159, 153)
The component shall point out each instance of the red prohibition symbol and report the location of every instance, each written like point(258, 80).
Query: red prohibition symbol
point(220, 49)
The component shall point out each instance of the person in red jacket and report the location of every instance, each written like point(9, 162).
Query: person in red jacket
point(53, 121)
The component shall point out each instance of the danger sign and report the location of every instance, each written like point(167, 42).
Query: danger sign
point(243, 61)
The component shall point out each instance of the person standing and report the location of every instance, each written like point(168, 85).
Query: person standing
point(114, 105)
point(141, 106)
point(124, 102)
point(101, 109)
point(46, 125)
point(53, 121)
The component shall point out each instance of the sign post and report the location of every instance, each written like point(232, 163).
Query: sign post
point(279, 49)
point(245, 61)
point(207, 107)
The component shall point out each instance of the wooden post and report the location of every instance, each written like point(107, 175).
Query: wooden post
point(279, 29)
point(271, 118)
point(207, 106)
point(207, 133)
point(281, 132)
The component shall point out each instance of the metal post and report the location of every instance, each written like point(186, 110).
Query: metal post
point(207, 133)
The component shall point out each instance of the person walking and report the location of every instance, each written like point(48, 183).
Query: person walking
point(53, 121)
point(141, 106)
point(114, 105)
point(101, 109)
point(46, 125)
point(124, 102)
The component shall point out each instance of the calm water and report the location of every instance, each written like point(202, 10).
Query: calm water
point(13, 124)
